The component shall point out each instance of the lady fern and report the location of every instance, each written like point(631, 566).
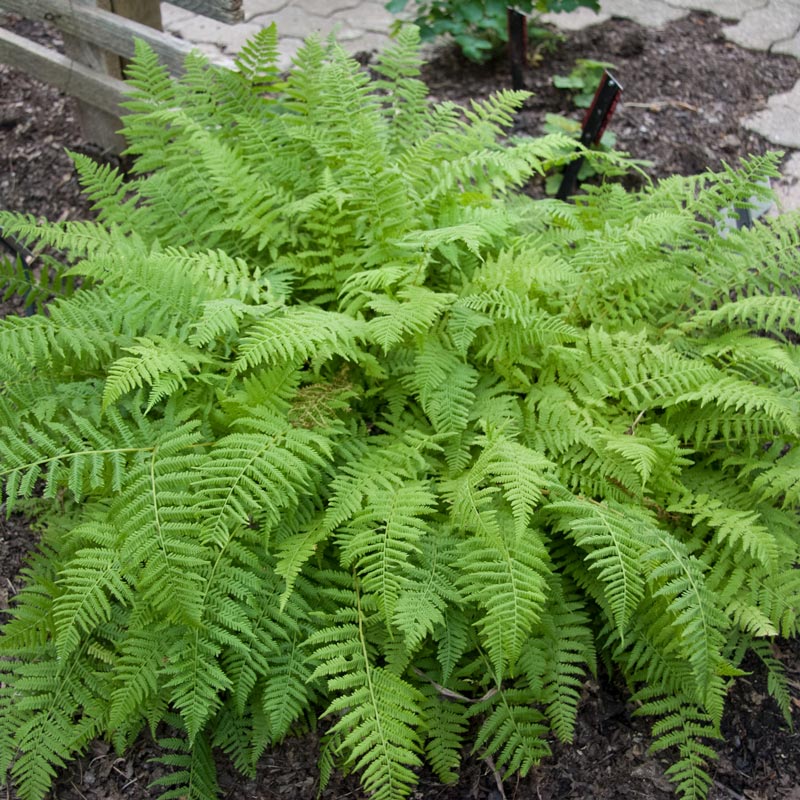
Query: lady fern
point(326, 419)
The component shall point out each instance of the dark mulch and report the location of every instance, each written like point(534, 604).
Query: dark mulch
point(686, 88)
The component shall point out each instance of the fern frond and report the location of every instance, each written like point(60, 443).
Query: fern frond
point(682, 725)
point(423, 603)
point(257, 59)
point(378, 710)
point(507, 580)
point(556, 658)
point(196, 682)
point(382, 542)
point(194, 775)
point(68, 717)
point(446, 722)
point(36, 288)
point(256, 471)
point(514, 732)
point(136, 674)
point(678, 578)
point(154, 514)
point(297, 334)
point(615, 539)
point(78, 456)
point(415, 312)
point(777, 681)
point(89, 586)
point(163, 365)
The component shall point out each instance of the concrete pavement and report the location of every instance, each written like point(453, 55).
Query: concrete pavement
point(766, 25)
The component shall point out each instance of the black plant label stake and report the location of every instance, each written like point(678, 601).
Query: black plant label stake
point(594, 124)
point(517, 47)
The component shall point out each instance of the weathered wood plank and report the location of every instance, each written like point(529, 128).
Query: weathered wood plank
point(65, 73)
point(103, 28)
point(228, 11)
point(98, 125)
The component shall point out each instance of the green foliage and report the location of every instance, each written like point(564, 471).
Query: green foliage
point(557, 123)
point(478, 27)
point(583, 80)
point(326, 420)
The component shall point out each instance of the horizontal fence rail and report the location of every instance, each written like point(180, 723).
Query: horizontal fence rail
point(72, 77)
point(95, 41)
point(103, 28)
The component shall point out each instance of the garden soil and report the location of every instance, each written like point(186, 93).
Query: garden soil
point(686, 88)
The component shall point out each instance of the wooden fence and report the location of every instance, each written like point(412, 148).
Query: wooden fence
point(98, 37)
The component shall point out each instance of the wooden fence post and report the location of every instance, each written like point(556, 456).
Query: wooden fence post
point(98, 125)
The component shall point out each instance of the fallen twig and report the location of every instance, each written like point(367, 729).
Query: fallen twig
point(660, 105)
point(450, 694)
point(731, 793)
point(497, 779)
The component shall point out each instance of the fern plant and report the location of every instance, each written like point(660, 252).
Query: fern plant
point(324, 419)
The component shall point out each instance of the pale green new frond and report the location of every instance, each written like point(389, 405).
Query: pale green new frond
point(415, 312)
point(730, 393)
point(257, 60)
point(400, 64)
point(68, 718)
point(219, 274)
point(380, 464)
point(296, 334)
point(643, 374)
point(34, 288)
point(82, 329)
point(766, 312)
point(30, 624)
point(736, 528)
point(220, 318)
point(778, 682)
point(452, 639)
point(556, 658)
point(105, 185)
point(76, 455)
point(505, 306)
point(379, 711)
point(136, 673)
point(463, 324)
point(287, 693)
point(781, 481)
point(77, 238)
point(164, 365)
point(253, 625)
point(381, 543)
point(154, 512)
point(196, 681)
point(294, 551)
point(614, 540)
point(508, 581)
point(521, 473)
point(422, 605)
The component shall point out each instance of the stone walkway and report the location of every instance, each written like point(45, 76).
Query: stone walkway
point(768, 25)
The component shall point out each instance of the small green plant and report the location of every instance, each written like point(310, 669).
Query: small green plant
point(559, 124)
point(323, 419)
point(479, 27)
point(583, 80)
